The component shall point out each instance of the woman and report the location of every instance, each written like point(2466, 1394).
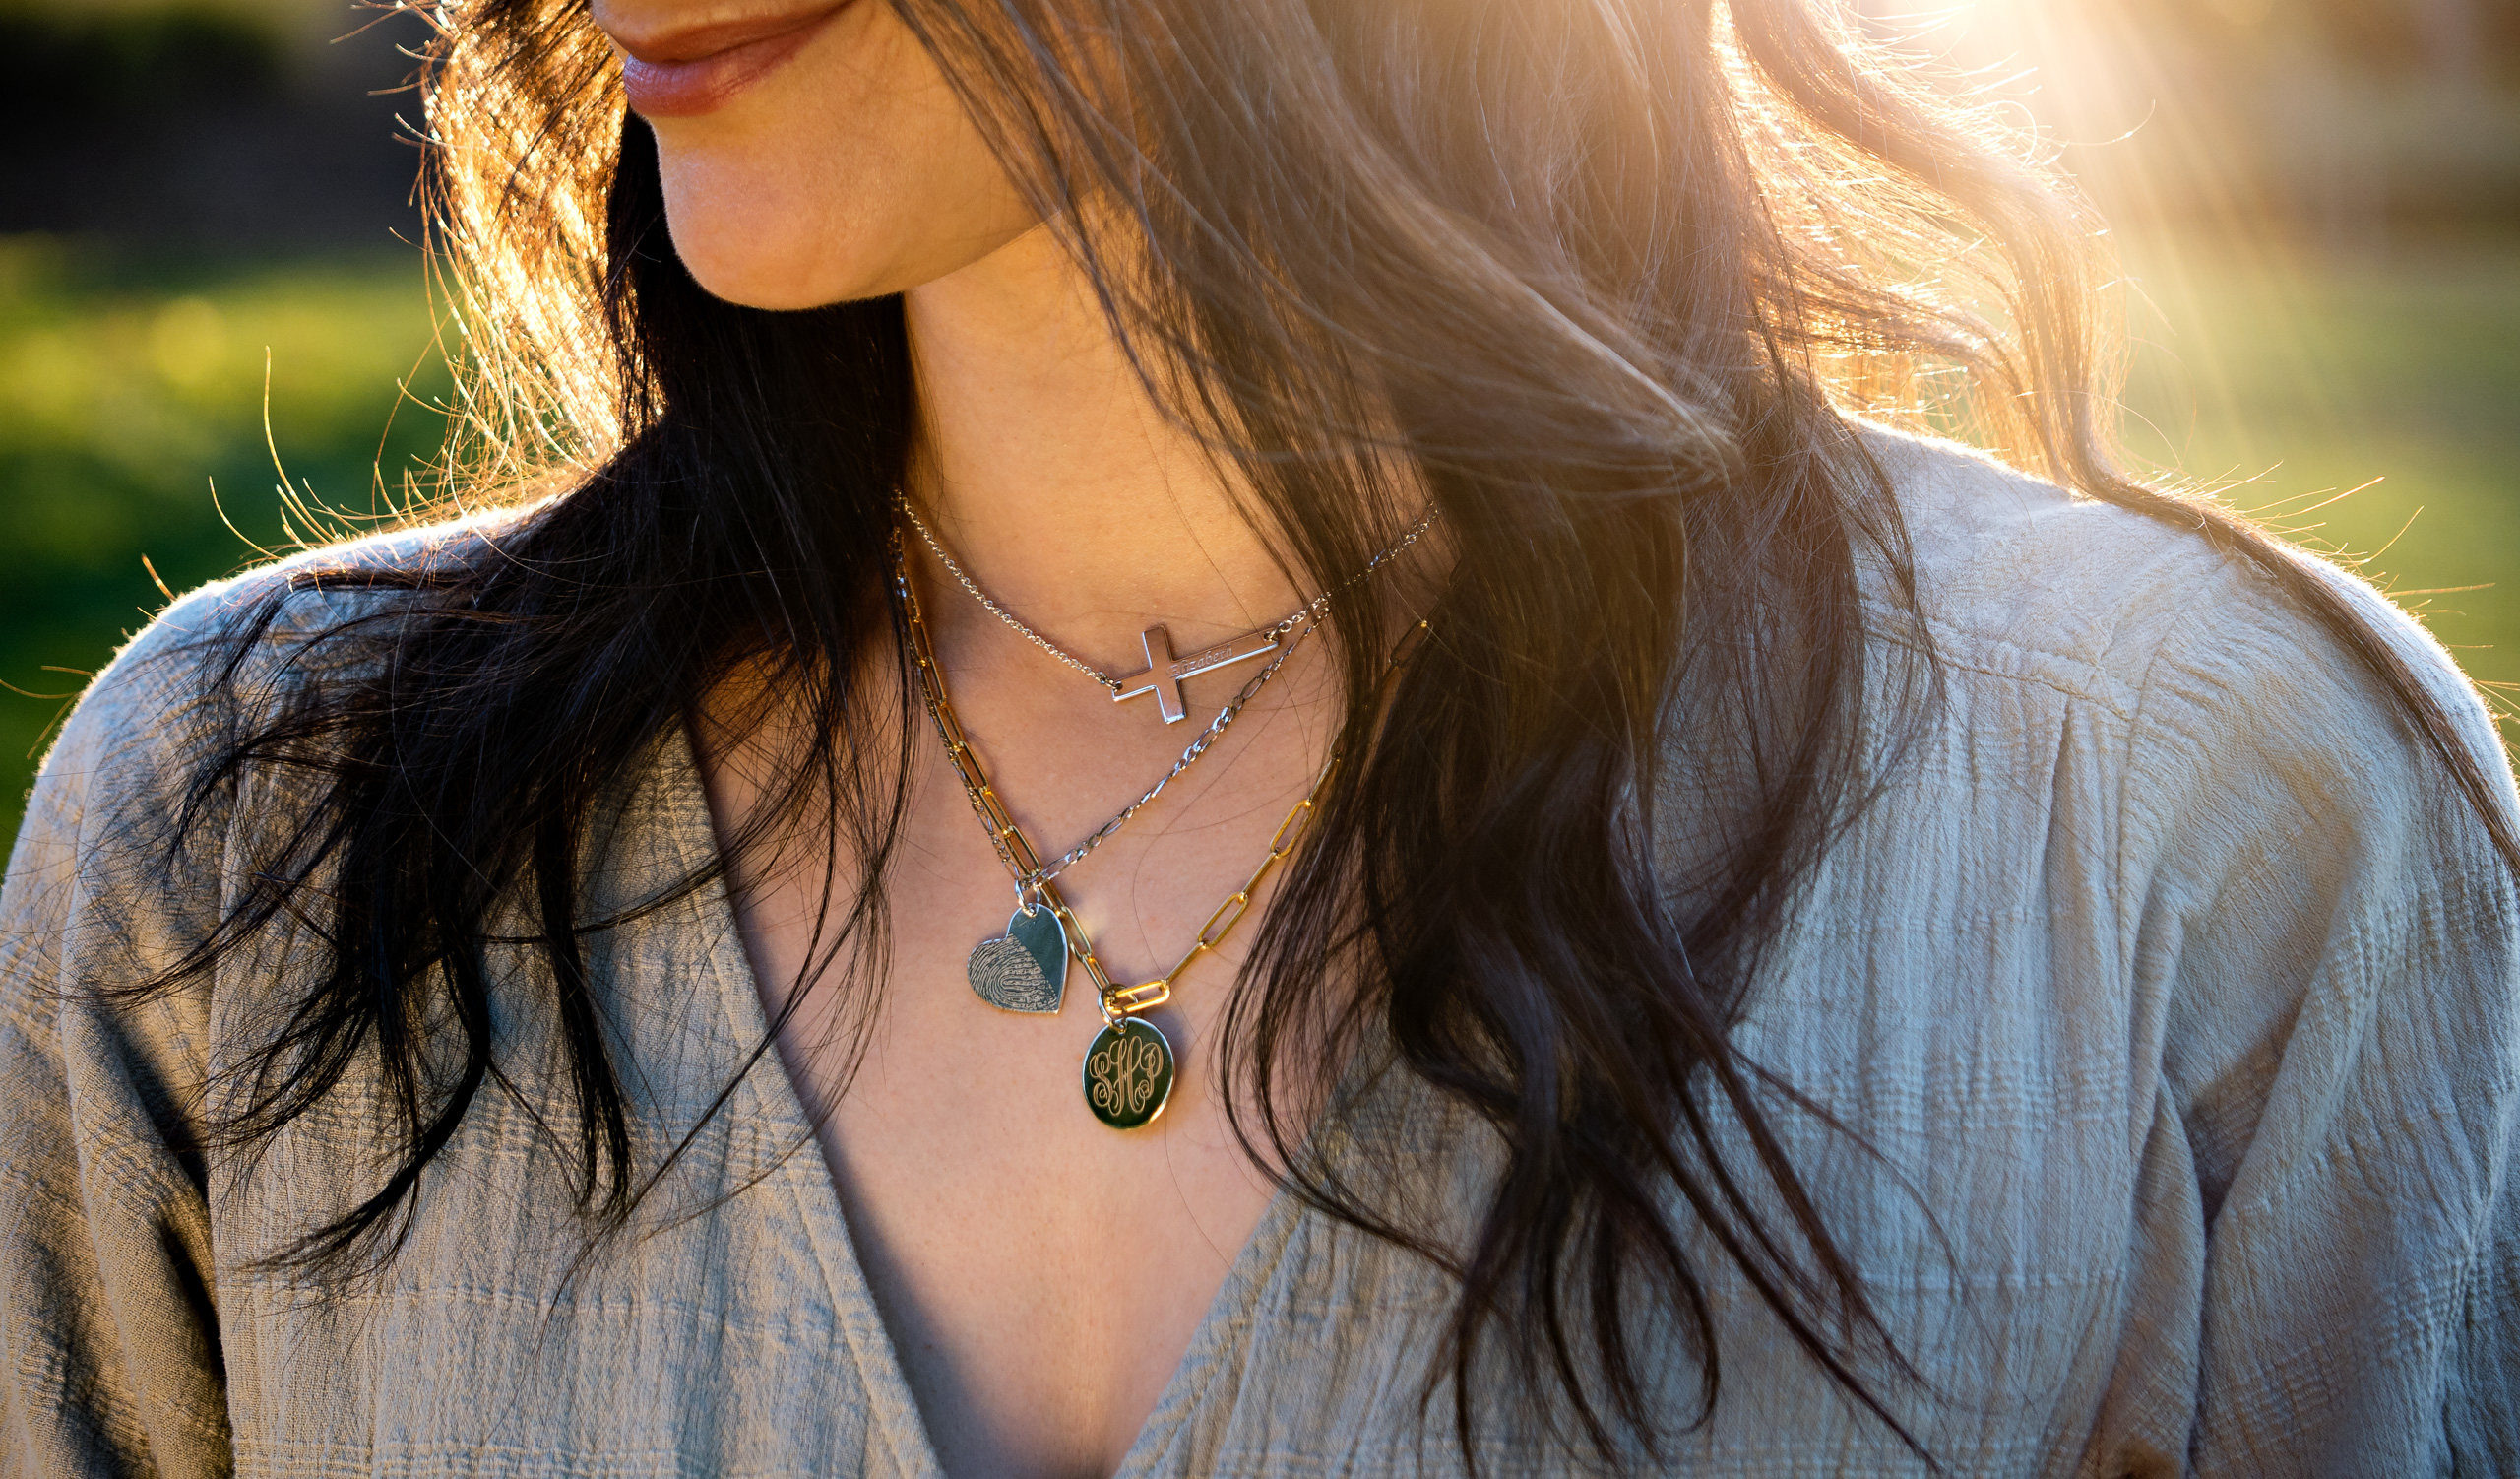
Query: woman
point(1750, 941)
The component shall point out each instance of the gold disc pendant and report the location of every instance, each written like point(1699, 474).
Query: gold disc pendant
point(1128, 1074)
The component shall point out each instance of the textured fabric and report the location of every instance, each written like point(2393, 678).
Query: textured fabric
point(2177, 995)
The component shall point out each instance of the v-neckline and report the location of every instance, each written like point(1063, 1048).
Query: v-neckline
point(822, 1214)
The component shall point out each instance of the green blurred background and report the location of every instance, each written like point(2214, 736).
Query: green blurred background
point(205, 227)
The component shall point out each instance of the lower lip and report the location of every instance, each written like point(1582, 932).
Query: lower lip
point(702, 85)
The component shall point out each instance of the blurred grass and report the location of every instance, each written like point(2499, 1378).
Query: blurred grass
point(2397, 375)
point(128, 385)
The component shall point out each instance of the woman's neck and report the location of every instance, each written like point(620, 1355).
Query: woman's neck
point(1056, 479)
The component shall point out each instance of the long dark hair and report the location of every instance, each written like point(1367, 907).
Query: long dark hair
point(1605, 276)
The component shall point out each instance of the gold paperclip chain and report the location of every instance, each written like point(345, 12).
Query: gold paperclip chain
point(1127, 1000)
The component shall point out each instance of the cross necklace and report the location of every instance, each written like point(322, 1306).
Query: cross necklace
point(1165, 669)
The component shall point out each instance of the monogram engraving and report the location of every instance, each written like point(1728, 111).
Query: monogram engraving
point(1124, 1075)
point(1128, 1075)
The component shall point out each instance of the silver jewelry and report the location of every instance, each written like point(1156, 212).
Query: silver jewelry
point(1165, 669)
point(1029, 884)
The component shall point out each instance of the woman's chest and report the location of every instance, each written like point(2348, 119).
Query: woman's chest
point(1041, 1272)
point(742, 1325)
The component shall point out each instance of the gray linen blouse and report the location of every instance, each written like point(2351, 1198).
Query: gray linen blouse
point(2164, 974)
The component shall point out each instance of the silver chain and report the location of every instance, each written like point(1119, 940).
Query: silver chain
point(1310, 611)
point(1030, 885)
point(999, 612)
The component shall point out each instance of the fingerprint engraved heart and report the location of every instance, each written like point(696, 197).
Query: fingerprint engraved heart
point(1026, 968)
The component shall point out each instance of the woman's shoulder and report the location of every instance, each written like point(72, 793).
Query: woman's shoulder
point(2070, 587)
point(270, 618)
point(2019, 579)
point(218, 657)
point(2244, 762)
point(316, 589)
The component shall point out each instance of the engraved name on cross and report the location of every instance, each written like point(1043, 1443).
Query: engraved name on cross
point(1163, 671)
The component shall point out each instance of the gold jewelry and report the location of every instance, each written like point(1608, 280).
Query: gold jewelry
point(1165, 669)
point(1128, 1069)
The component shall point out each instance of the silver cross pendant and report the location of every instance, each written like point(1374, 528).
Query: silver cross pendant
point(1163, 671)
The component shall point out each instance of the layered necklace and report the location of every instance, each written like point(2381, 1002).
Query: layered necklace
point(1128, 1069)
point(1165, 669)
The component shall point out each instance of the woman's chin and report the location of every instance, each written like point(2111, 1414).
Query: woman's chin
point(748, 285)
point(770, 260)
point(755, 263)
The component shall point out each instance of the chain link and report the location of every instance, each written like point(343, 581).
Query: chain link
point(999, 612)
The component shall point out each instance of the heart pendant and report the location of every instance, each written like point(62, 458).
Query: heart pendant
point(1128, 1074)
point(1026, 968)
